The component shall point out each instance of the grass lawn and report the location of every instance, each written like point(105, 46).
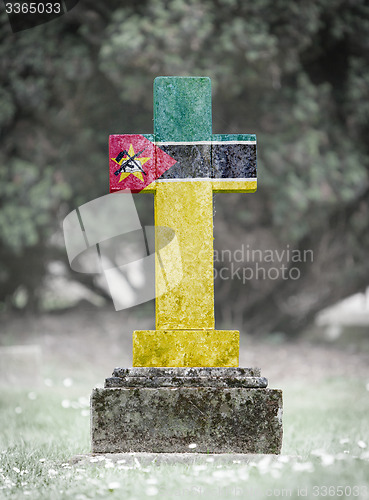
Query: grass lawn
point(325, 451)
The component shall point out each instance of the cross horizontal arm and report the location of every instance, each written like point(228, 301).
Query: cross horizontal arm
point(227, 163)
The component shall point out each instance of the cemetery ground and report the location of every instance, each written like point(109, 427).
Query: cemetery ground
point(43, 426)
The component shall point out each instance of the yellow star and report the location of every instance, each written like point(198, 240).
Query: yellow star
point(135, 171)
point(124, 175)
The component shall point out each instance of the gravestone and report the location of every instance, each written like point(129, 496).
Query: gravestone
point(185, 391)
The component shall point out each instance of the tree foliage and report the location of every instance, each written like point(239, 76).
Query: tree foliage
point(296, 74)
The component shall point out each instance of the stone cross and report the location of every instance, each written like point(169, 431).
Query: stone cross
point(185, 332)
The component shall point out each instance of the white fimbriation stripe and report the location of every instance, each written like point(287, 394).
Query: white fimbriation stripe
point(190, 179)
point(222, 143)
point(172, 143)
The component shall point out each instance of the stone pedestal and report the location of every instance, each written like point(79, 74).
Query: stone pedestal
point(165, 410)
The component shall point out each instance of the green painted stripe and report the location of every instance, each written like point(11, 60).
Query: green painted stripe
point(199, 143)
point(182, 108)
point(234, 137)
point(149, 137)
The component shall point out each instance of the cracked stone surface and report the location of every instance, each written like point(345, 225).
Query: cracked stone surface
point(186, 382)
point(186, 377)
point(186, 372)
point(169, 419)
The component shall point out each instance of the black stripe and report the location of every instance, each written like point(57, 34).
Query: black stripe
point(234, 161)
point(193, 161)
point(216, 161)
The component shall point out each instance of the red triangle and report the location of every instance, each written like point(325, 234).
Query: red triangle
point(158, 163)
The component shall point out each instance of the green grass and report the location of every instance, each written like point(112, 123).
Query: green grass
point(323, 424)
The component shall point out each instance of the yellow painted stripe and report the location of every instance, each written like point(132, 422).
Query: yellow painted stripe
point(234, 185)
point(151, 188)
point(188, 209)
point(226, 185)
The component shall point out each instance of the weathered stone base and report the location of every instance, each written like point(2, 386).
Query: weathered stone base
point(216, 418)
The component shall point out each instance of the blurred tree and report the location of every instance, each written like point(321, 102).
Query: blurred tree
point(295, 74)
